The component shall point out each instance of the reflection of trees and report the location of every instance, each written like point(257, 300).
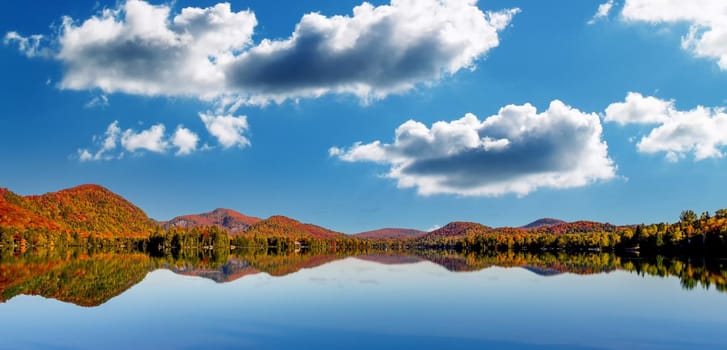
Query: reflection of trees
point(583, 263)
point(74, 277)
point(90, 278)
point(692, 272)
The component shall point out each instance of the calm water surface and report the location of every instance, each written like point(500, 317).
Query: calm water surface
point(357, 303)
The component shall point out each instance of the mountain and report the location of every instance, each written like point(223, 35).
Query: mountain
point(230, 220)
point(83, 209)
point(285, 226)
point(95, 212)
point(543, 222)
point(575, 227)
point(458, 228)
point(389, 233)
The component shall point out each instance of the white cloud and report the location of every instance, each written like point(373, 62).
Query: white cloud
point(700, 131)
point(186, 140)
point(151, 139)
point(229, 130)
point(208, 53)
point(515, 151)
point(154, 139)
point(637, 109)
point(139, 48)
point(602, 11)
point(707, 36)
point(371, 54)
point(29, 46)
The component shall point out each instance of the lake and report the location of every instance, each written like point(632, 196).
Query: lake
point(419, 300)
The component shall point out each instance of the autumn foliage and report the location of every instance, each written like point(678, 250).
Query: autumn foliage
point(80, 211)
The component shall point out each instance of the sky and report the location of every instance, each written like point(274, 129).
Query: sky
point(356, 116)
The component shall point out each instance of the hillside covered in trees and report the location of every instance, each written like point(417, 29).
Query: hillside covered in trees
point(71, 215)
point(90, 215)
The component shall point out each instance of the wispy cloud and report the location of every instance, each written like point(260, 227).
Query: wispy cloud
point(602, 12)
point(100, 101)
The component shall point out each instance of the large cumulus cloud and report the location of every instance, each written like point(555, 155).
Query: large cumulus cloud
point(139, 49)
point(377, 51)
point(516, 151)
point(208, 53)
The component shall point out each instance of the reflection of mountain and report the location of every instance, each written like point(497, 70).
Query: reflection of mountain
point(281, 265)
point(390, 259)
point(542, 271)
point(91, 279)
point(544, 263)
point(232, 270)
point(251, 263)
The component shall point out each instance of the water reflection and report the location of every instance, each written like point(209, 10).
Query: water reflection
point(91, 278)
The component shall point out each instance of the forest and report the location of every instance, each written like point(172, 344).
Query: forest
point(692, 234)
point(90, 216)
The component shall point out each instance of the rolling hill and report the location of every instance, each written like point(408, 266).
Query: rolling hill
point(83, 209)
point(458, 228)
point(284, 226)
point(92, 209)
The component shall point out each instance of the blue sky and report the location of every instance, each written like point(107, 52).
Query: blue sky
point(662, 155)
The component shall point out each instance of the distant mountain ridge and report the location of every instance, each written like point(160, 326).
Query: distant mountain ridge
point(390, 233)
point(227, 219)
point(458, 228)
point(543, 222)
point(92, 209)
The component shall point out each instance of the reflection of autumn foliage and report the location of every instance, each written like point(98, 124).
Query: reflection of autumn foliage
point(286, 263)
point(85, 280)
point(90, 279)
point(692, 273)
point(573, 263)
